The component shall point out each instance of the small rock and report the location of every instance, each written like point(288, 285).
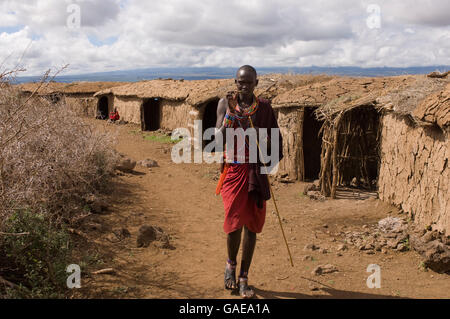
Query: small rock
point(325, 226)
point(323, 251)
point(148, 163)
point(429, 236)
point(370, 252)
point(391, 224)
point(311, 247)
point(316, 184)
point(147, 234)
point(313, 287)
point(339, 254)
point(393, 243)
point(342, 247)
point(307, 258)
point(126, 165)
point(324, 269)
point(402, 247)
point(316, 195)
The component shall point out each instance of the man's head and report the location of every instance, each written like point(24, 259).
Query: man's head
point(246, 80)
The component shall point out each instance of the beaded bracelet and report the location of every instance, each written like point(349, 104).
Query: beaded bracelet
point(228, 121)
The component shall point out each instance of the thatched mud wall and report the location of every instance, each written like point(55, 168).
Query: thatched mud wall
point(414, 171)
point(175, 114)
point(82, 104)
point(290, 121)
point(129, 108)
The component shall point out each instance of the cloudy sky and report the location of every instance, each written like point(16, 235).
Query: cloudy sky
point(106, 35)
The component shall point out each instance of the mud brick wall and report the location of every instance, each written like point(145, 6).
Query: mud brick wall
point(129, 109)
point(82, 104)
point(414, 171)
point(290, 121)
point(175, 114)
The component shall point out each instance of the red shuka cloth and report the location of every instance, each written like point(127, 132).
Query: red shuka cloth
point(243, 179)
point(114, 116)
point(240, 208)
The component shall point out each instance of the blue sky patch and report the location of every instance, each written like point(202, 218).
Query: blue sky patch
point(98, 43)
point(12, 29)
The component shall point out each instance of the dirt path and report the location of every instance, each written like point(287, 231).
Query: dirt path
point(180, 199)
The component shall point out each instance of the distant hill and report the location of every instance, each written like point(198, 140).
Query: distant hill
point(189, 73)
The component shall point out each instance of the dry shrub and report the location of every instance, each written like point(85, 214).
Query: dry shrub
point(50, 160)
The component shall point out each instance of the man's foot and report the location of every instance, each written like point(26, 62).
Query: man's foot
point(230, 275)
point(244, 290)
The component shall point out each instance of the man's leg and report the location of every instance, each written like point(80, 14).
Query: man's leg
point(247, 255)
point(233, 243)
point(248, 247)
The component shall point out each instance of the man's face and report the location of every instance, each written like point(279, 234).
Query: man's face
point(246, 82)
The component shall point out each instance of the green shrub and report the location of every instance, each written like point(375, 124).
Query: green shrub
point(39, 258)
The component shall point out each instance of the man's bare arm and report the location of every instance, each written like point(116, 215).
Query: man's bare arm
point(221, 111)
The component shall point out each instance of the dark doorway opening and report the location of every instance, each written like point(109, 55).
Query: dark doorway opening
point(102, 108)
point(358, 148)
point(210, 118)
point(151, 114)
point(312, 144)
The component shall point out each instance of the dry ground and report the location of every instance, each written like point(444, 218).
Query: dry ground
point(180, 199)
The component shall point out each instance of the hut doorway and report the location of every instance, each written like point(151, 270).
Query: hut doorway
point(102, 108)
point(312, 144)
point(358, 149)
point(151, 114)
point(209, 118)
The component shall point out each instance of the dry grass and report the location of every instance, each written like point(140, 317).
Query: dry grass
point(50, 161)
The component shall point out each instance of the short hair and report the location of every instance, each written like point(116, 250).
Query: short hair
point(248, 68)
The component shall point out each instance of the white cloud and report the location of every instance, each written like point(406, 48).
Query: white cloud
point(122, 34)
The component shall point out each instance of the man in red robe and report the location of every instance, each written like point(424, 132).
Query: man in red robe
point(244, 190)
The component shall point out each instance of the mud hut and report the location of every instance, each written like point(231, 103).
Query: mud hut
point(301, 127)
point(389, 135)
point(79, 96)
point(167, 104)
point(415, 150)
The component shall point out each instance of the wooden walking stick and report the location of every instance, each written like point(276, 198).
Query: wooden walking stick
point(273, 197)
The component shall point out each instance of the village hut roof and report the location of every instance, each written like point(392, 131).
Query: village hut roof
point(197, 92)
point(435, 108)
point(49, 88)
point(424, 99)
point(194, 92)
point(341, 88)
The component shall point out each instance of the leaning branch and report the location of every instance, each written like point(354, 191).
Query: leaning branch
point(14, 234)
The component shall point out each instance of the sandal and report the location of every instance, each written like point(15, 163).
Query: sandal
point(230, 275)
point(244, 290)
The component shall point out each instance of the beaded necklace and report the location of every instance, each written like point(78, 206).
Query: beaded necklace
point(249, 112)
